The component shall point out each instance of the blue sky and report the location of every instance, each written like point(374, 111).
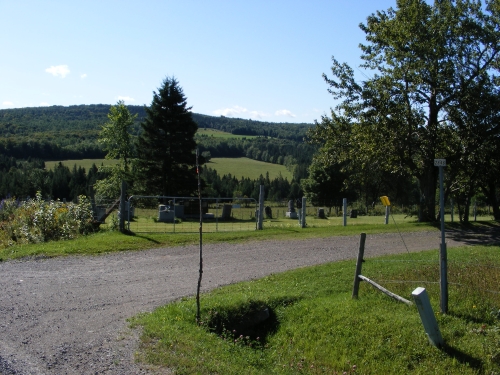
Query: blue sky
point(249, 59)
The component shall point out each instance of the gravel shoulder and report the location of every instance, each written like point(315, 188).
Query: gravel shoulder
point(68, 315)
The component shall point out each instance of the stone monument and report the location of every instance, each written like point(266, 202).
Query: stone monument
point(291, 213)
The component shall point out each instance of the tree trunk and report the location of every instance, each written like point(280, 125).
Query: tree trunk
point(427, 210)
point(491, 194)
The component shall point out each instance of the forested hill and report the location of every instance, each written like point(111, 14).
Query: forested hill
point(86, 120)
point(60, 133)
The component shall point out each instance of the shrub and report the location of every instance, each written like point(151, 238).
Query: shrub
point(35, 220)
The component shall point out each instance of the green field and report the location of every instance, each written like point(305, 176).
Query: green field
point(85, 163)
point(220, 134)
point(239, 167)
point(245, 167)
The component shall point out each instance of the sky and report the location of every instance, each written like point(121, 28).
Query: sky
point(259, 59)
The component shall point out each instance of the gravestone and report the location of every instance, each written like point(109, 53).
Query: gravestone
point(269, 212)
point(226, 211)
point(291, 213)
point(321, 213)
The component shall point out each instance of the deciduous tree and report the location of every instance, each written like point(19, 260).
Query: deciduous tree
point(423, 61)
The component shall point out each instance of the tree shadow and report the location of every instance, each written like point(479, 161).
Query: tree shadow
point(129, 233)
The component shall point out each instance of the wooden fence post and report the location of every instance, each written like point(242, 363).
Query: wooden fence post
point(359, 264)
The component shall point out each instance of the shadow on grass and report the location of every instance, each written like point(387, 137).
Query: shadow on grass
point(462, 357)
point(132, 234)
point(254, 321)
point(475, 233)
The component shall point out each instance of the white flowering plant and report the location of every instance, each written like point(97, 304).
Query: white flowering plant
point(36, 220)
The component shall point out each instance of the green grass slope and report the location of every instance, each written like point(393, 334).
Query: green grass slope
point(245, 167)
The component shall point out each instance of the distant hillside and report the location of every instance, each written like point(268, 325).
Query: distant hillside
point(62, 133)
point(21, 122)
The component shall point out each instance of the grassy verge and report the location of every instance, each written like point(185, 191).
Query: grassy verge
point(110, 241)
point(314, 327)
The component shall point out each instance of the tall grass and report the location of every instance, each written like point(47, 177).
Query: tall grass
point(316, 328)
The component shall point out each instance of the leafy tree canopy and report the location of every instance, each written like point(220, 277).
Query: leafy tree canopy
point(425, 61)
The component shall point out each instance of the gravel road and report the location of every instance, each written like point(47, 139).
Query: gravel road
point(68, 315)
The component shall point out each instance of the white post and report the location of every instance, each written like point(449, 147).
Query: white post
point(427, 316)
point(344, 211)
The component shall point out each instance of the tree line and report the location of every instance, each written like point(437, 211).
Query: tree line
point(24, 178)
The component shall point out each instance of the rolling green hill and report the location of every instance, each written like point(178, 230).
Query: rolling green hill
point(237, 167)
point(245, 167)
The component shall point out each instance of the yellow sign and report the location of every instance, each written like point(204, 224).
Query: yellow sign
point(385, 201)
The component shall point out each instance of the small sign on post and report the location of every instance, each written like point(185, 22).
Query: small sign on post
point(440, 162)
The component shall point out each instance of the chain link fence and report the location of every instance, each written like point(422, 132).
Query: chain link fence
point(163, 214)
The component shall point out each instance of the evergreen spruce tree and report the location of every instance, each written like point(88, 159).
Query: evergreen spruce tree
point(166, 159)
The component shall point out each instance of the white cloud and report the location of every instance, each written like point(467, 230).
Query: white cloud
point(7, 104)
point(43, 104)
point(237, 111)
point(126, 98)
point(58, 70)
point(284, 112)
point(83, 76)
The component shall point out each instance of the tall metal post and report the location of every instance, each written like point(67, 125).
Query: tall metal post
point(303, 213)
point(123, 193)
point(443, 262)
point(344, 211)
point(261, 208)
point(387, 214)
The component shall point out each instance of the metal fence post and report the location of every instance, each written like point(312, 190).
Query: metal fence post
point(122, 206)
point(173, 201)
point(303, 214)
point(344, 211)
point(261, 207)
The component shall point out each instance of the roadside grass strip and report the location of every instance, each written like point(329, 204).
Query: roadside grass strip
point(313, 326)
point(108, 241)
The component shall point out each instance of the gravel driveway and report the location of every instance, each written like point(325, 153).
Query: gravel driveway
point(68, 315)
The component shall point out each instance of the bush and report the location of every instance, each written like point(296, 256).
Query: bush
point(35, 220)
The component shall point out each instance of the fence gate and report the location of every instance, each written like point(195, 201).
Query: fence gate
point(163, 214)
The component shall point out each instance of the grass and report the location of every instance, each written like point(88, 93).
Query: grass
point(107, 241)
point(84, 163)
point(112, 241)
point(204, 132)
point(238, 167)
point(248, 168)
point(314, 327)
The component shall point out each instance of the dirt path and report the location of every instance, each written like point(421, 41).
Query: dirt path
point(68, 315)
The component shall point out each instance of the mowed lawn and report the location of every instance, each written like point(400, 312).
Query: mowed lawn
point(238, 167)
point(245, 167)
